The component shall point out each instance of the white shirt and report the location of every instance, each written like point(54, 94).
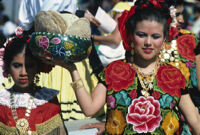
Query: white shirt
point(29, 9)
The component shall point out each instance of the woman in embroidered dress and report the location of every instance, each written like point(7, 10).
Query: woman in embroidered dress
point(143, 95)
point(26, 108)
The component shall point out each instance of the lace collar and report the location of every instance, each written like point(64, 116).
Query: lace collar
point(21, 99)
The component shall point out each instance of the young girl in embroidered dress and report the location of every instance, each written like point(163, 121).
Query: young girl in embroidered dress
point(143, 95)
point(26, 108)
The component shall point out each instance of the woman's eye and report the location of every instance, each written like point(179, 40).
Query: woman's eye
point(156, 36)
point(16, 65)
point(140, 34)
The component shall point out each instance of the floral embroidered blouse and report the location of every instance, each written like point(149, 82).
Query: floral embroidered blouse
point(44, 116)
point(129, 112)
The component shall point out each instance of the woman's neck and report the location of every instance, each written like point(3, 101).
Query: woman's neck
point(31, 89)
point(145, 66)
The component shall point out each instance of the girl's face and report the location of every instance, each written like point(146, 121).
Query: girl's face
point(23, 70)
point(148, 39)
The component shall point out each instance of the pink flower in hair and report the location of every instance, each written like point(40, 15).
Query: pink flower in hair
point(19, 31)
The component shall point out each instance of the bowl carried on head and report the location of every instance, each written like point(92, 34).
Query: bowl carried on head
point(61, 37)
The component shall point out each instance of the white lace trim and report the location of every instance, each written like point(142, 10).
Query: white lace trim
point(21, 99)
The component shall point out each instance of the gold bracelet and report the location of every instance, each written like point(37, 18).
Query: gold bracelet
point(77, 84)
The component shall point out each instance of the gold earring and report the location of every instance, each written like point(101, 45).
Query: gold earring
point(9, 78)
point(132, 53)
point(37, 79)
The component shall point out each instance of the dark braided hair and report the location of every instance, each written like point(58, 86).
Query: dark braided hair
point(148, 12)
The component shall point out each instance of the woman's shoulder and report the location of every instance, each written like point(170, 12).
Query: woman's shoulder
point(46, 93)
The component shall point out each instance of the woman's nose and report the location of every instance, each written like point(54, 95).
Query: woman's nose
point(23, 71)
point(147, 41)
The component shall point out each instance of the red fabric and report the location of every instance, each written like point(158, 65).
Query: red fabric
point(186, 45)
point(119, 75)
point(38, 115)
point(170, 80)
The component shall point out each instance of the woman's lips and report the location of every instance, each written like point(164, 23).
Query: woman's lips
point(148, 50)
point(23, 80)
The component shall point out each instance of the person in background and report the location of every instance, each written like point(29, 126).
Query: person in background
point(26, 108)
point(136, 89)
point(7, 27)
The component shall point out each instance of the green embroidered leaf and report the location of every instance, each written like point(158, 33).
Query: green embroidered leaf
point(164, 112)
point(134, 85)
point(129, 130)
point(102, 76)
point(156, 88)
point(110, 92)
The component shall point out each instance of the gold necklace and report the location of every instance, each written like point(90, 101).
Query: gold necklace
point(22, 124)
point(146, 80)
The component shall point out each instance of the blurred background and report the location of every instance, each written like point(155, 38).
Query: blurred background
point(9, 13)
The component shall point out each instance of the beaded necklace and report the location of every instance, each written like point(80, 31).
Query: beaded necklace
point(146, 80)
point(22, 125)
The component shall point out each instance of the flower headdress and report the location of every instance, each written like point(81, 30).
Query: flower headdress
point(127, 14)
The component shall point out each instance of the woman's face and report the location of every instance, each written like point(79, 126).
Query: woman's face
point(148, 39)
point(23, 70)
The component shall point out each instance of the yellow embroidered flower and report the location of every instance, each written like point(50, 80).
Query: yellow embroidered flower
point(68, 45)
point(183, 31)
point(183, 68)
point(116, 122)
point(170, 124)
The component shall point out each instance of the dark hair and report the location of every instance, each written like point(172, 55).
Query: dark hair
point(149, 12)
point(175, 3)
point(16, 46)
point(13, 47)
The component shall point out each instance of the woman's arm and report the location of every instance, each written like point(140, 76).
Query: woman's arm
point(113, 39)
point(89, 103)
point(191, 113)
point(198, 69)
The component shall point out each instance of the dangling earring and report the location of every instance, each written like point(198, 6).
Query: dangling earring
point(132, 53)
point(9, 78)
point(37, 79)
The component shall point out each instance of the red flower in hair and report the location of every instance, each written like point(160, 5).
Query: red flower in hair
point(144, 5)
point(156, 3)
point(28, 40)
point(173, 32)
point(122, 29)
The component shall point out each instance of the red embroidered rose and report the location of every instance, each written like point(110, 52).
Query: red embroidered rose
point(173, 32)
point(144, 114)
point(119, 75)
point(186, 45)
point(156, 95)
point(170, 80)
point(133, 94)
